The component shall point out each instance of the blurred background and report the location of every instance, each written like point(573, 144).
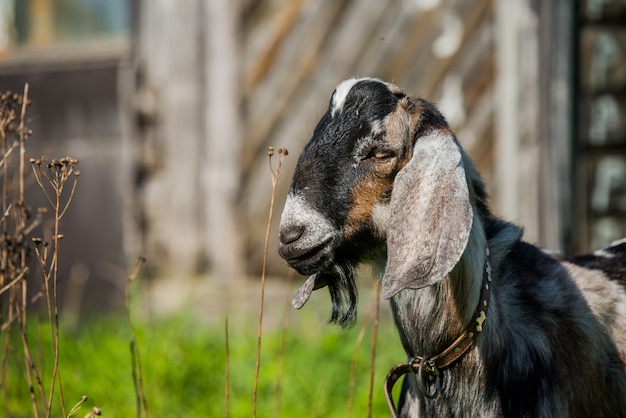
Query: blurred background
point(170, 107)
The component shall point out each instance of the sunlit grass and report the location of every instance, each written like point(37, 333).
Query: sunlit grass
point(184, 359)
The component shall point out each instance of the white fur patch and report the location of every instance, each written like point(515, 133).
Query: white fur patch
point(606, 252)
point(380, 219)
point(298, 212)
point(341, 93)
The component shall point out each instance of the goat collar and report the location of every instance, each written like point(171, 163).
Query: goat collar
point(428, 369)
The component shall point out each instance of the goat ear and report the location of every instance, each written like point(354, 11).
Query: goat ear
point(431, 215)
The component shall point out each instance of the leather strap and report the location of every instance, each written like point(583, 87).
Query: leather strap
point(428, 369)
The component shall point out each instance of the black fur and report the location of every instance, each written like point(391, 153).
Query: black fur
point(611, 261)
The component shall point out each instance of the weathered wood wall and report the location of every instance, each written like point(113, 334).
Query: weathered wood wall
point(184, 135)
point(212, 83)
point(228, 79)
point(294, 54)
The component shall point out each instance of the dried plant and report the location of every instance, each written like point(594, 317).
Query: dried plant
point(370, 394)
point(226, 370)
point(355, 355)
point(57, 179)
point(282, 153)
point(52, 178)
point(140, 397)
point(95, 411)
point(16, 223)
point(283, 337)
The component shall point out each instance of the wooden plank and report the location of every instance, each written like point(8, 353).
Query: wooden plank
point(219, 171)
point(270, 101)
point(169, 68)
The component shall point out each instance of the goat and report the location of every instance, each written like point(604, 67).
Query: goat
point(493, 326)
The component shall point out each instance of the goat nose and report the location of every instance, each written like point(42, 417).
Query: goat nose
point(291, 234)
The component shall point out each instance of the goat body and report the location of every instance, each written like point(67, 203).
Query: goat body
point(384, 181)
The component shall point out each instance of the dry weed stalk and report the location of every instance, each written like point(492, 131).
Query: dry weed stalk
point(76, 407)
point(355, 354)
point(140, 397)
point(283, 338)
point(370, 394)
point(226, 371)
point(316, 404)
point(95, 411)
point(52, 178)
point(282, 153)
point(16, 224)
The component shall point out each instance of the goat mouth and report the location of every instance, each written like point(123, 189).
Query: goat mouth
point(307, 260)
point(327, 269)
point(343, 292)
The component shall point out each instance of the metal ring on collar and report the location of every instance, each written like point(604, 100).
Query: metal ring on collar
point(431, 372)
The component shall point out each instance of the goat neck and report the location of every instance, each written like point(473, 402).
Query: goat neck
point(431, 318)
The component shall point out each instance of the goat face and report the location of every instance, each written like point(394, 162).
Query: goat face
point(347, 196)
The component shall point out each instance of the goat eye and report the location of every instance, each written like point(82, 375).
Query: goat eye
point(382, 154)
point(375, 155)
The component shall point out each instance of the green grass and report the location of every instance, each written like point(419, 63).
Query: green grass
point(184, 361)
